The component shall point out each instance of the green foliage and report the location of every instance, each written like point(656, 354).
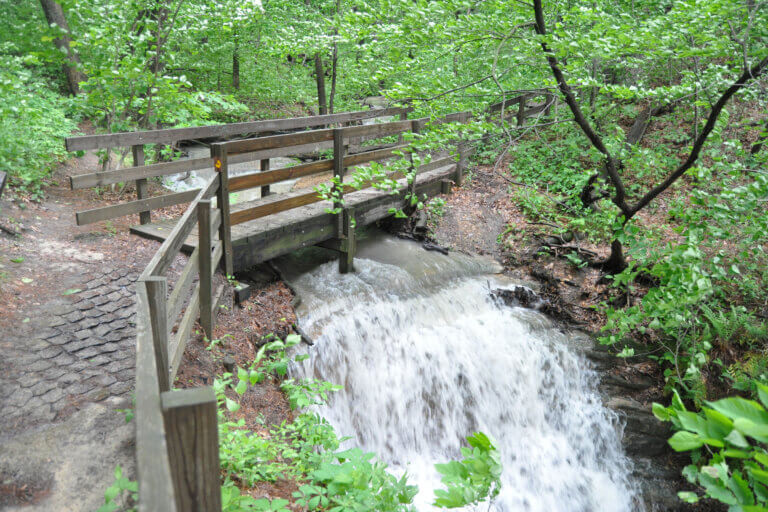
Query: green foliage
point(475, 478)
point(709, 282)
point(727, 440)
point(120, 493)
point(307, 450)
point(32, 122)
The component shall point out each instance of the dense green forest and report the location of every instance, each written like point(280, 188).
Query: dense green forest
point(657, 150)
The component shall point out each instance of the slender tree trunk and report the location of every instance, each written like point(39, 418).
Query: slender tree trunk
point(54, 14)
point(320, 72)
point(236, 67)
point(333, 77)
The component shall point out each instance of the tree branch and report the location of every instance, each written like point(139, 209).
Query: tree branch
point(749, 74)
point(611, 168)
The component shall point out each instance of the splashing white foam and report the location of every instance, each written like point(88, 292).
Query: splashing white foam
point(424, 364)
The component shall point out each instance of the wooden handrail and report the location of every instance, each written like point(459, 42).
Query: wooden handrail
point(111, 140)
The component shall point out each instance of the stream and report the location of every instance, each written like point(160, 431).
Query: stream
point(427, 357)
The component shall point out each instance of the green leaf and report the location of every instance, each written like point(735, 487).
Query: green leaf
point(685, 441)
point(26, 280)
point(737, 407)
point(661, 412)
point(751, 429)
point(17, 260)
point(72, 291)
point(688, 497)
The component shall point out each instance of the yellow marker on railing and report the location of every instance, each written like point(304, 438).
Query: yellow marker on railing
point(217, 165)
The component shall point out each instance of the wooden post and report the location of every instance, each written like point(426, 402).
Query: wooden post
point(339, 152)
point(264, 168)
point(445, 187)
point(521, 110)
point(141, 184)
point(461, 164)
point(549, 99)
point(204, 264)
point(152, 465)
point(348, 242)
point(192, 434)
point(403, 117)
point(416, 127)
point(157, 290)
point(219, 155)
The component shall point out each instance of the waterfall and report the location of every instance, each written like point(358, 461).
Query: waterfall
point(427, 357)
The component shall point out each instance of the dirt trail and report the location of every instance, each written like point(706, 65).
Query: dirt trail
point(67, 349)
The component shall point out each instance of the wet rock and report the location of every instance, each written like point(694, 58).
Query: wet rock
point(519, 296)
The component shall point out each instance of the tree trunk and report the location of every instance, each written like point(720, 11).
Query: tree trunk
point(236, 69)
point(616, 262)
point(320, 72)
point(54, 14)
point(333, 77)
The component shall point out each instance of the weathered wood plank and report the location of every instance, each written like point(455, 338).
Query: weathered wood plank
point(264, 167)
point(142, 191)
point(182, 288)
point(206, 274)
point(278, 141)
point(219, 154)
point(131, 207)
point(179, 343)
point(156, 488)
point(371, 156)
point(246, 181)
point(496, 107)
point(200, 132)
point(378, 130)
point(99, 179)
point(164, 256)
point(157, 289)
point(3, 180)
point(193, 448)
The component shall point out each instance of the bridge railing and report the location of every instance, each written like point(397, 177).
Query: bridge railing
point(177, 430)
point(140, 172)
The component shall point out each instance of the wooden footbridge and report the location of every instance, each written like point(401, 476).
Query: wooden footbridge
point(276, 224)
point(176, 429)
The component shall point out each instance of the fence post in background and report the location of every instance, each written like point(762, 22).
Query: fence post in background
point(403, 117)
point(339, 152)
point(204, 264)
point(141, 184)
point(219, 155)
point(417, 125)
point(192, 435)
point(549, 99)
point(521, 110)
point(157, 290)
point(264, 165)
point(461, 164)
point(348, 245)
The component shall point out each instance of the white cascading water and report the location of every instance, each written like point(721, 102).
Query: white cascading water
point(427, 357)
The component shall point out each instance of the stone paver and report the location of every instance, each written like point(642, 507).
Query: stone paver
point(81, 350)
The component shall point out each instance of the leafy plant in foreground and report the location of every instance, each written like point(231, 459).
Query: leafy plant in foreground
point(727, 440)
point(475, 478)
